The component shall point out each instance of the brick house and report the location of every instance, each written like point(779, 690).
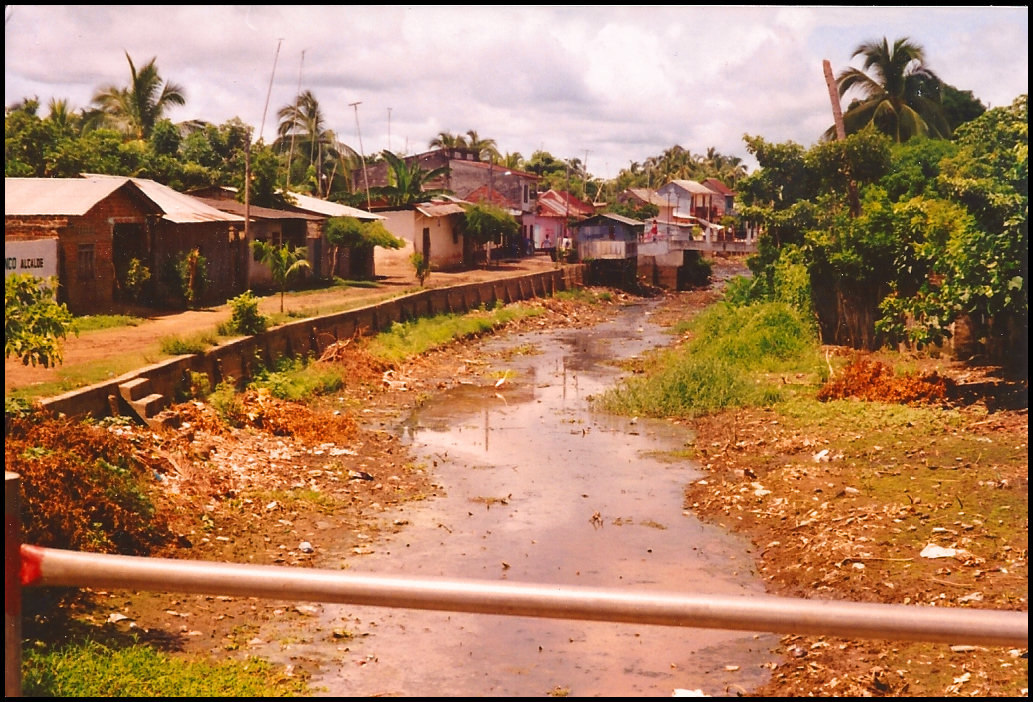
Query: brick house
point(95, 225)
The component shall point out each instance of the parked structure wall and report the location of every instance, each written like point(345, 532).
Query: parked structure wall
point(235, 359)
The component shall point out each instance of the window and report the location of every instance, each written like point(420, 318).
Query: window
point(87, 269)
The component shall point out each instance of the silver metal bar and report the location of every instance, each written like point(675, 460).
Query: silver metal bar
point(770, 614)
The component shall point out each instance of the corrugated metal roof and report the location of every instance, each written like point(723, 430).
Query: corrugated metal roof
point(610, 215)
point(650, 196)
point(439, 209)
point(715, 184)
point(56, 196)
point(691, 186)
point(257, 212)
point(177, 207)
point(330, 209)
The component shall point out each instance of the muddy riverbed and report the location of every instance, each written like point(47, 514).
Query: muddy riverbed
point(535, 487)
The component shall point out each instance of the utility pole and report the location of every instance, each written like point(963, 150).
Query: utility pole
point(389, 129)
point(294, 130)
point(268, 94)
point(362, 153)
point(247, 206)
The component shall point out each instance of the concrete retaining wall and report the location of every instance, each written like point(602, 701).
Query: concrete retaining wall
point(236, 360)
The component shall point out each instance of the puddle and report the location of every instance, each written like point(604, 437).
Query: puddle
point(536, 488)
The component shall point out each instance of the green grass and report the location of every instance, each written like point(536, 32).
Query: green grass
point(95, 322)
point(278, 318)
point(407, 339)
point(296, 380)
point(94, 670)
point(176, 345)
point(721, 368)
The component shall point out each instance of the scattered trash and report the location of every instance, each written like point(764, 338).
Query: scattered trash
point(934, 551)
point(306, 547)
point(115, 618)
point(678, 692)
point(821, 456)
point(964, 649)
point(974, 597)
point(731, 668)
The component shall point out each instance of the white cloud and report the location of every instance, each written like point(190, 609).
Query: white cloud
point(624, 83)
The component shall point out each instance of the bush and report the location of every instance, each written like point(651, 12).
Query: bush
point(133, 280)
point(34, 322)
point(83, 488)
point(192, 275)
point(421, 266)
point(246, 319)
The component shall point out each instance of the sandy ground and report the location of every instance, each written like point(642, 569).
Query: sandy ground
point(395, 275)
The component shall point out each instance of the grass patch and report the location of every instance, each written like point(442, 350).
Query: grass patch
point(298, 381)
point(96, 322)
point(94, 670)
point(721, 367)
point(77, 376)
point(176, 345)
point(407, 339)
point(584, 295)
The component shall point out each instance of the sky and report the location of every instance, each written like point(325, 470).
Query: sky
point(613, 84)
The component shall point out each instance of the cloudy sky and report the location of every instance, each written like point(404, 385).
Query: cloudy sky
point(623, 84)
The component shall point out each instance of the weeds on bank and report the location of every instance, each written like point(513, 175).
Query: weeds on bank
point(720, 368)
point(94, 670)
point(176, 345)
point(408, 339)
point(95, 322)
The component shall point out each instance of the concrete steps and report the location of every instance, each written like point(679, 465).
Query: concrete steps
point(149, 406)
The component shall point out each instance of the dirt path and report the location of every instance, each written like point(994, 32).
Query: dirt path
point(141, 342)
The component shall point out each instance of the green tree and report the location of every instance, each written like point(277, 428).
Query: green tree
point(283, 262)
point(447, 140)
point(35, 324)
point(900, 94)
point(483, 224)
point(959, 106)
point(408, 182)
point(486, 148)
point(136, 108)
point(351, 233)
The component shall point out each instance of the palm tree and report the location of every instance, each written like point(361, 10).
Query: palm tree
point(447, 140)
point(485, 148)
point(407, 182)
point(284, 263)
point(303, 130)
point(901, 96)
point(137, 108)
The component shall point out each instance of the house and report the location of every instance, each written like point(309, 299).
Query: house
point(724, 203)
point(432, 229)
point(608, 244)
point(277, 227)
point(302, 224)
point(688, 199)
point(549, 224)
point(87, 230)
point(510, 188)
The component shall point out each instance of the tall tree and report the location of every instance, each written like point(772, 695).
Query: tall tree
point(900, 94)
point(485, 148)
point(135, 109)
point(303, 135)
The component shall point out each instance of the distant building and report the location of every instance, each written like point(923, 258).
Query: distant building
point(549, 223)
point(432, 229)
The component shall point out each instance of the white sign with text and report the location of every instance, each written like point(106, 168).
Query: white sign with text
point(37, 257)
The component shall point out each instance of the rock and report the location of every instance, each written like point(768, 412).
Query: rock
point(306, 547)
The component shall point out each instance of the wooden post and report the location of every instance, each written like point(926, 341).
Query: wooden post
point(12, 586)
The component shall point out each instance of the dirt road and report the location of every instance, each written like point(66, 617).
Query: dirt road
point(140, 344)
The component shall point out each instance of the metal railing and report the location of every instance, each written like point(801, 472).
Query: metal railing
point(36, 566)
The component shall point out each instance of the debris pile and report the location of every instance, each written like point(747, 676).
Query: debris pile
point(874, 381)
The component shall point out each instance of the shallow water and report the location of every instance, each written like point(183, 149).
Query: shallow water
point(537, 488)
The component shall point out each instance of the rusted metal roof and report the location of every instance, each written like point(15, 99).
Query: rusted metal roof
point(237, 208)
point(330, 209)
point(649, 196)
point(718, 186)
point(439, 209)
point(70, 197)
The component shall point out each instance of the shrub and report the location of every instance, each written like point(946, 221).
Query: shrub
point(34, 322)
point(421, 266)
point(135, 277)
point(246, 319)
point(192, 275)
